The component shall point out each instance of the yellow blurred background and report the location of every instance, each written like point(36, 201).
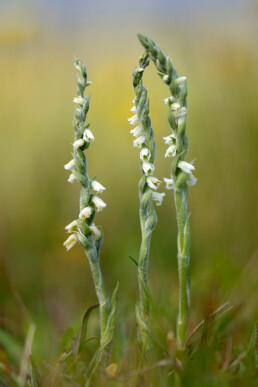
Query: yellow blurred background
point(215, 46)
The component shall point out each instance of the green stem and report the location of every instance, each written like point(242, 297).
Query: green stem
point(183, 264)
point(181, 175)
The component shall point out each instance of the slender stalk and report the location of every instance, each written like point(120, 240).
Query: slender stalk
point(83, 229)
point(181, 172)
point(147, 186)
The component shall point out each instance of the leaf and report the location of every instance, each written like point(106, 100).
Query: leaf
point(109, 332)
point(80, 339)
point(35, 375)
point(136, 263)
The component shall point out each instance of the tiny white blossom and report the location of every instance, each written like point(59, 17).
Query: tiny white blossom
point(170, 184)
point(170, 140)
point(145, 154)
point(88, 135)
point(78, 68)
point(70, 242)
point(134, 120)
point(180, 80)
point(78, 143)
point(171, 151)
point(99, 203)
point(165, 78)
point(169, 99)
point(79, 100)
point(133, 109)
point(70, 165)
point(191, 179)
point(137, 131)
point(71, 178)
point(158, 197)
point(95, 231)
point(153, 182)
point(86, 212)
point(96, 186)
point(72, 226)
point(139, 69)
point(139, 141)
point(147, 167)
point(180, 112)
point(185, 167)
point(175, 106)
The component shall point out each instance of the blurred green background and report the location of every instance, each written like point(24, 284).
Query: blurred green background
point(215, 45)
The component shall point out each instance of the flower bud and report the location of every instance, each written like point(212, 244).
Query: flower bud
point(134, 120)
point(147, 167)
point(78, 100)
point(95, 231)
point(145, 154)
point(86, 213)
point(70, 242)
point(96, 186)
point(186, 167)
point(73, 226)
point(153, 182)
point(71, 178)
point(88, 135)
point(70, 165)
point(158, 197)
point(78, 143)
point(99, 203)
point(171, 151)
point(170, 184)
point(139, 141)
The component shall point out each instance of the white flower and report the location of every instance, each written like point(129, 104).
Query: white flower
point(78, 68)
point(70, 165)
point(185, 167)
point(180, 80)
point(145, 154)
point(86, 213)
point(147, 167)
point(139, 141)
point(170, 140)
point(170, 184)
point(78, 100)
point(175, 106)
point(137, 131)
point(191, 179)
point(169, 99)
point(158, 197)
point(165, 78)
point(171, 151)
point(71, 178)
point(95, 231)
point(70, 242)
point(96, 186)
point(134, 120)
point(133, 109)
point(88, 135)
point(153, 182)
point(78, 143)
point(180, 112)
point(72, 226)
point(99, 203)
